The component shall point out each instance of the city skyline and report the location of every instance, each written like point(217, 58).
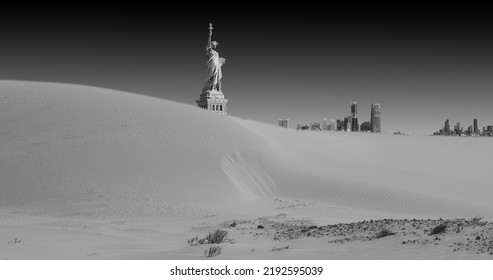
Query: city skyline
point(470, 129)
point(300, 63)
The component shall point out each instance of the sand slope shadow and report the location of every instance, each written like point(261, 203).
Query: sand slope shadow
point(246, 171)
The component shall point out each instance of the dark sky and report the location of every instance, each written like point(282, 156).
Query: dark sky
point(302, 62)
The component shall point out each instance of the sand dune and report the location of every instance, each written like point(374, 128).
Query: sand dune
point(80, 153)
point(87, 152)
point(396, 175)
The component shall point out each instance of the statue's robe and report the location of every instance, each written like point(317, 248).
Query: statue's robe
point(214, 63)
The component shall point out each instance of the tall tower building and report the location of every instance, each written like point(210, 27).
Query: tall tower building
point(476, 129)
point(348, 123)
point(324, 124)
point(354, 115)
point(446, 128)
point(375, 117)
point(212, 97)
point(332, 124)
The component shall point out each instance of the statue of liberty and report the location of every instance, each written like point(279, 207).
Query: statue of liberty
point(214, 63)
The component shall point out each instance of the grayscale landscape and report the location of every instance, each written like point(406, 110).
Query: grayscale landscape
point(92, 173)
point(305, 134)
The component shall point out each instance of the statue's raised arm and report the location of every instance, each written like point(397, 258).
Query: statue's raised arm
point(210, 36)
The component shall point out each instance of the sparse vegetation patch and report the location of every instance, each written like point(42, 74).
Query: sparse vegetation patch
point(216, 237)
point(212, 252)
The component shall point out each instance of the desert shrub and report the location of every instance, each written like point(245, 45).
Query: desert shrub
point(194, 241)
point(384, 232)
point(212, 252)
point(438, 229)
point(216, 237)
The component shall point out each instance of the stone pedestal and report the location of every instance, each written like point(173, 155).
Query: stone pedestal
point(213, 100)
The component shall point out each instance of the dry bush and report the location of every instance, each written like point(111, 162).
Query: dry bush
point(194, 241)
point(384, 232)
point(216, 237)
point(212, 252)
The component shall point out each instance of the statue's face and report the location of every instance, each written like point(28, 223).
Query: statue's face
point(214, 44)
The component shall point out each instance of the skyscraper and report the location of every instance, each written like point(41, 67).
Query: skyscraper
point(332, 124)
point(457, 128)
point(446, 128)
point(476, 130)
point(354, 117)
point(355, 125)
point(348, 123)
point(283, 123)
point(375, 118)
point(324, 124)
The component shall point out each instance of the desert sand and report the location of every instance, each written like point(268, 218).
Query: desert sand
point(92, 173)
